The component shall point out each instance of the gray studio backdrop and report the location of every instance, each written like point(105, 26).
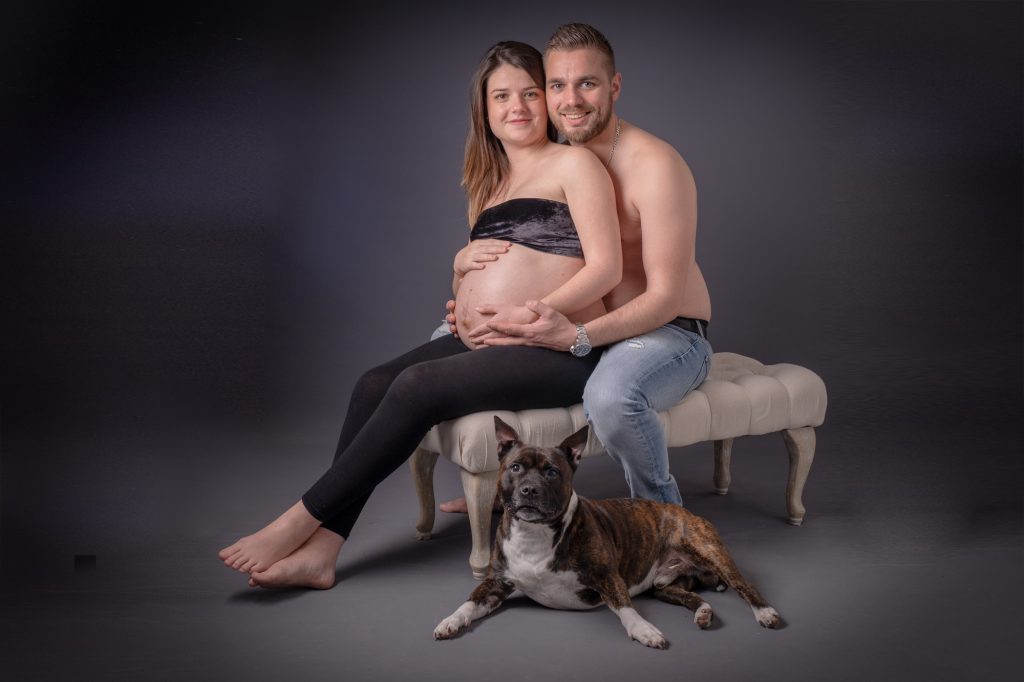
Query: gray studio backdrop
point(216, 220)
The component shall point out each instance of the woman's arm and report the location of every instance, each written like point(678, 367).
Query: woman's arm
point(590, 195)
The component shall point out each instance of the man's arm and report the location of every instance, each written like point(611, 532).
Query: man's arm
point(665, 200)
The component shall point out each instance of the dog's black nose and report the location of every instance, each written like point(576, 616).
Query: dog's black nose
point(528, 490)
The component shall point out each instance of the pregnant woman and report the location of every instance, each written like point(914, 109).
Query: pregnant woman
point(549, 210)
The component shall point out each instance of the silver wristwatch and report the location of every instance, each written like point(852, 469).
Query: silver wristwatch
point(582, 345)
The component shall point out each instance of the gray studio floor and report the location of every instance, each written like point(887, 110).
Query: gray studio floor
point(907, 568)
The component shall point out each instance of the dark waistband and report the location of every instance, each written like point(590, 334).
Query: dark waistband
point(691, 325)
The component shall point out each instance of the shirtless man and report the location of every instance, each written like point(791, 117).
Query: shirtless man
point(656, 324)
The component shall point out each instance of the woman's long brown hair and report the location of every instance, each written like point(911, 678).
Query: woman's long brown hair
point(485, 167)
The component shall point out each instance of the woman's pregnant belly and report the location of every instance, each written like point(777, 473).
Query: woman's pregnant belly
point(518, 276)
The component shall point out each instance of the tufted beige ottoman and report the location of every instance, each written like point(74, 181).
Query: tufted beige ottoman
point(741, 397)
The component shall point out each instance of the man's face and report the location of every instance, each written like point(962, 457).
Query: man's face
point(580, 91)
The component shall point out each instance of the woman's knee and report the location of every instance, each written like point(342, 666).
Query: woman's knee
point(374, 383)
point(415, 386)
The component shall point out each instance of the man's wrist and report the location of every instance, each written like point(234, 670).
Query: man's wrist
point(569, 335)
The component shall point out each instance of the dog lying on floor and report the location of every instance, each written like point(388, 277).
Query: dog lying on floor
point(567, 552)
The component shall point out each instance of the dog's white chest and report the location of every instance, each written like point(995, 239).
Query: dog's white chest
point(529, 552)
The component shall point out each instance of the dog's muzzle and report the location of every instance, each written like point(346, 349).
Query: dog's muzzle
point(532, 501)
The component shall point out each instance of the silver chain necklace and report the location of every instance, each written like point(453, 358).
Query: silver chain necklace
point(615, 141)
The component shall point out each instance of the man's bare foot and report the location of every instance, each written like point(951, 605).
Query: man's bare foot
point(311, 565)
point(459, 506)
point(263, 549)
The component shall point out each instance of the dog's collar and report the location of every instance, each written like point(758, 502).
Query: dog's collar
point(570, 510)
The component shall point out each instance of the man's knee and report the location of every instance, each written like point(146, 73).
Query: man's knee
point(606, 402)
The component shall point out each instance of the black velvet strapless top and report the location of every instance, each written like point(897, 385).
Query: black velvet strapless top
point(542, 224)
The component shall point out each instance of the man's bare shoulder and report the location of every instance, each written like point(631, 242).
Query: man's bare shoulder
point(653, 166)
point(572, 157)
point(648, 151)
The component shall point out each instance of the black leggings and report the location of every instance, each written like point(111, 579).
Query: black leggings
point(394, 405)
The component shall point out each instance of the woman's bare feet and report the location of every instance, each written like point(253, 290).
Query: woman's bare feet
point(311, 565)
point(459, 506)
point(263, 549)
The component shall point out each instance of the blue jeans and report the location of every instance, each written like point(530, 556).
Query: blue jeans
point(635, 379)
point(443, 329)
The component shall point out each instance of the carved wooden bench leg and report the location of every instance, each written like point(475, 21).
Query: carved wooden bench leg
point(480, 490)
point(723, 457)
point(800, 443)
point(422, 464)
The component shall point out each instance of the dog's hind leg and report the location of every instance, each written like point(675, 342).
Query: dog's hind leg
point(676, 568)
point(677, 594)
point(730, 574)
point(708, 552)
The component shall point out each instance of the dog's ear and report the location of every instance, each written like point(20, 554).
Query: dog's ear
point(573, 446)
point(507, 437)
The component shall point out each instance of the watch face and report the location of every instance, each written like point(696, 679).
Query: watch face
point(581, 349)
point(582, 345)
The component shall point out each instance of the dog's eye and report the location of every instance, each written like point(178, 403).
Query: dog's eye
point(515, 468)
point(552, 473)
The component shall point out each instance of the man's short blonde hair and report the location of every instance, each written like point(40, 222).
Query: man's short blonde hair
point(578, 36)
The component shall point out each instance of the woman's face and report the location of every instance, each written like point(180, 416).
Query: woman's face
point(516, 111)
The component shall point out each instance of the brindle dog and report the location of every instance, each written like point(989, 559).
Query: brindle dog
point(568, 552)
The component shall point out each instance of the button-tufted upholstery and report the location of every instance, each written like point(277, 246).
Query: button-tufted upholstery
point(740, 397)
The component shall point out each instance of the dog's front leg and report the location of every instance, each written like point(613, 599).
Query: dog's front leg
point(485, 598)
point(613, 590)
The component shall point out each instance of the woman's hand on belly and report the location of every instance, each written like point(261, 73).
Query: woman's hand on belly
point(476, 255)
point(509, 313)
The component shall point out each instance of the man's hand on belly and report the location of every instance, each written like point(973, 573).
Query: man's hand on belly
point(551, 329)
point(500, 314)
point(450, 317)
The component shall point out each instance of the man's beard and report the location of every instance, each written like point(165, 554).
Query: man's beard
point(584, 135)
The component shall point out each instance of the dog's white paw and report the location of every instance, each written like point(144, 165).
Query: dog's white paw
point(450, 626)
point(767, 617)
point(639, 629)
point(648, 635)
point(702, 616)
